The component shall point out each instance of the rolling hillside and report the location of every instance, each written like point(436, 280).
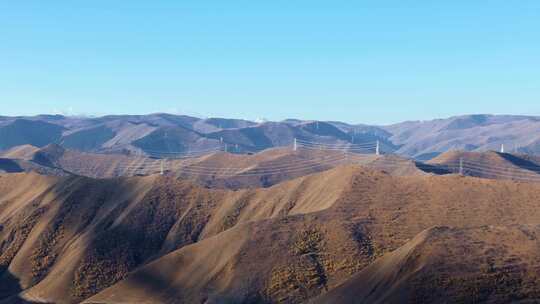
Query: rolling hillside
point(155, 238)
point(459, 265)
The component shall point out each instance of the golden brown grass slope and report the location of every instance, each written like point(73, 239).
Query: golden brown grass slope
point(293, 259)
point(296, 257)
point(65, 239)
point(166, 240)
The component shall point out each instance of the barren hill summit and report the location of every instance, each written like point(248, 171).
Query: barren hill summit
point(492, 165)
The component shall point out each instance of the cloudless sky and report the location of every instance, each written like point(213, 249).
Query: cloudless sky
point(356, 61)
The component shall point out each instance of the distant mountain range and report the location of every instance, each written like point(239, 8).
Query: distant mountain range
point(166, 133)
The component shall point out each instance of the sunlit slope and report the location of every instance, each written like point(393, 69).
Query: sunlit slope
point(64, 239)
point(377, 214)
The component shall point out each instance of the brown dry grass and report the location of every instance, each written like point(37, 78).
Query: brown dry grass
point(287, 243)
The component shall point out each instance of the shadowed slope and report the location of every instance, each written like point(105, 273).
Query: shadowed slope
point(487, 264)
point(22, 132)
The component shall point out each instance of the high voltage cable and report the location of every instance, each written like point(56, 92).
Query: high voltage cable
point(225, 169)
point(497, 171)
point(509, 172)
point(195, 167)
point(261, 171)
point(466, 165)
point(345, 152)
point(331, 143)
point(486, 170)
point(156, 166)
point(265, 173)
point(187, 151)
point(338, 149)
point(270, 166)
point(500, 168)
point(514, 166)
point(503, 176)
point(255, 167)
point(335, 145)
point(233, 174)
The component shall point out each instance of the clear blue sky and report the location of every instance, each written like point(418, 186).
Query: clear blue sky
point(356, 61)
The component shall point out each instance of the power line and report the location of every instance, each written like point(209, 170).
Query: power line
point(255, 170)
point(277, 165)
point(332, 145)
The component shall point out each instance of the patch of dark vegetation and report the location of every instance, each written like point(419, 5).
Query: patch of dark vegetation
point(364, 241)
point(192, 219)
point(75, 213)
point(291, 203)
point(495, 286)
point(231, 218)
point(119, 249)
point(14, 237)
point(305, 275)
